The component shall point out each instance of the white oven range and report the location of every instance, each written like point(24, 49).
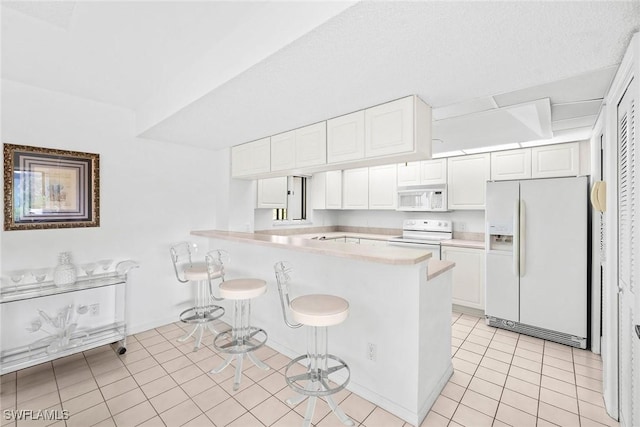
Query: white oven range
point(424, 234)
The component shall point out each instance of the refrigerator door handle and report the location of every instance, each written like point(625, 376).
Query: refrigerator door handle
point(516, 239)
point(521, 240)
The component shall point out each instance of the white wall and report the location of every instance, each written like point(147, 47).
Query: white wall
point(152, 194)
point(471, 221)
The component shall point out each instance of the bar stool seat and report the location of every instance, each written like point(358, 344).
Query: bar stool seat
point(241, 289)
point(198, 271)
point(319, 310)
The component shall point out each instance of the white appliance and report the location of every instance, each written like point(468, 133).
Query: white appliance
point(537, 252)
point(424, 234)
point(423, 199)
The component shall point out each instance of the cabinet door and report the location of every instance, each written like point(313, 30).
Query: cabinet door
point(251, 158)
point(551, 161)
point(345, 138)
point(355, 188)
point(433, 172)
point(512, 164)
point(311, 145)
point(334, 190)
point(283, 151)
point(467, 177)
point(383, 189)
point(468, 276)
point(389, 128)
point(408, 174)
point(272, 192)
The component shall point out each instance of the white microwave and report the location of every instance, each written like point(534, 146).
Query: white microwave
point(422, 199)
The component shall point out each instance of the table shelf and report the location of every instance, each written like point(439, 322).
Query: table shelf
point(54, 346)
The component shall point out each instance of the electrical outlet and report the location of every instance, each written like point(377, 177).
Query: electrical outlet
point(94, 309)
point(462, 226)
point(372, 351)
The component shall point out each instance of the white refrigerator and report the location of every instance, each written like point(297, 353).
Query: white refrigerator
point(536, 271)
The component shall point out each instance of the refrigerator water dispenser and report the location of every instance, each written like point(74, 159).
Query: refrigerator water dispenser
point(501, 236)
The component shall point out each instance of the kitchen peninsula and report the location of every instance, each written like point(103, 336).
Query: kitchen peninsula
point(397, 339)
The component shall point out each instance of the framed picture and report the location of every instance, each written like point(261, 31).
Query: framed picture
point(48, 188)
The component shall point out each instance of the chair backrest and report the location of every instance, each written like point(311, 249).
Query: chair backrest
point(282, 269)
point(181, 254)
point(216, 260)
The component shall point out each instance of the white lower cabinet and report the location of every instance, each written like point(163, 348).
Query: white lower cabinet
point(272, 192)
point(355, 188)
point(468, 275)
point(383, 188)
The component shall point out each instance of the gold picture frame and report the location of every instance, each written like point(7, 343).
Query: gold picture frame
point(49, 188)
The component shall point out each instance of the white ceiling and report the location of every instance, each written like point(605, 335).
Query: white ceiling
point(215, 74)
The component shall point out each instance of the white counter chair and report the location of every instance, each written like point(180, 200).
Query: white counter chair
point(204, 312)
point(242, 339)
point(317, 311)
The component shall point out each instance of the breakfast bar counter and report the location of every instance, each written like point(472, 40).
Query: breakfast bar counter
point(397, 339)
point(380, 254)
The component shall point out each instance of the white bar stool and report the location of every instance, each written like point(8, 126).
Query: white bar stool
point(203, 313)
point(319, 312)
point(242, 339)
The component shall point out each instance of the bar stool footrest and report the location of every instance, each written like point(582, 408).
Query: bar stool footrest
point(252, 341)
point(299, 382)
point(202, 314)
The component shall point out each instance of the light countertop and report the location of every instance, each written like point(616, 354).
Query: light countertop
point(381, 254)
point(459, 243)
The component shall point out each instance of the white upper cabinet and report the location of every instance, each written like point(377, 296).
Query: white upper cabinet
point(298, 148)
point(408, 174)
point(345, 138)
point(512, 164)
point(467, 177)
point(272, 192)
point(383, 189)
point(433, 172)
point(326, 190)
point(333, 192)
point(394, 132)
point(355, 188)
point(426, 172)
point(555, 160)
point(283, 151)
point(389, 128)
point(251, 158)
point(311, 145)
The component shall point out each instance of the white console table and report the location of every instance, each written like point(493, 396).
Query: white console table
point(19, 302)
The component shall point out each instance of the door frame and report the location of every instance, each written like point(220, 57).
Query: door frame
point(610, 344)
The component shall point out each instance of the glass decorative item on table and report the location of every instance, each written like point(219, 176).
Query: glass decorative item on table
point(40, 274)
point(105, 264)
point(17, 276)
point(63, 326)
point(65, 272)
point(89, 268)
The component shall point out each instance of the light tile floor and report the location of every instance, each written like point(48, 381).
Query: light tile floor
point(501, 378)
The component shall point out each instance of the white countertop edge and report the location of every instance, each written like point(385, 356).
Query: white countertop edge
point(381, 254)
point(436, 267)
